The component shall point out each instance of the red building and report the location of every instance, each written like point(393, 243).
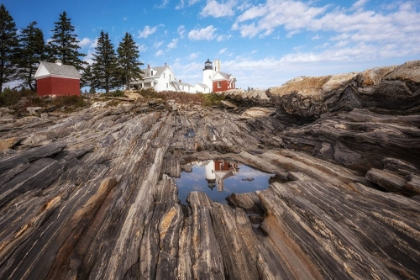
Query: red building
point(57, 79)
point(216, 80)
point(223, 82)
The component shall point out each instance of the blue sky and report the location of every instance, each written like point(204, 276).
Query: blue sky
point(262, 43)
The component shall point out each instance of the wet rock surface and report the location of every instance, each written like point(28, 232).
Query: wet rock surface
point(92, 194)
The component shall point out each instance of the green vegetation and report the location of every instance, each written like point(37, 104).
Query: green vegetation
point(64, 44)
point(21, 54)
point(24, 98)
point(128, 65)
point(104, 68)
point(185, 98)
point(32, 51)
point(9, 44)
point(117, 93)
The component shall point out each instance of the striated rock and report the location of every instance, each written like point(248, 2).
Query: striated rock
point(8, 143)
point(229, 105)
point(413, 184)
point(386, 180)
point(92, 194)
point(256, 112)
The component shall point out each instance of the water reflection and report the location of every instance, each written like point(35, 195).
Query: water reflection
point(220, 178)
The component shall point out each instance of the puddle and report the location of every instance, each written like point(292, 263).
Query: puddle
point(220, 178)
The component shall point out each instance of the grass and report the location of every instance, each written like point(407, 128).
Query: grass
point(184, 98)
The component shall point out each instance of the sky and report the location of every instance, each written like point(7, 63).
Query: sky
point(262, 43)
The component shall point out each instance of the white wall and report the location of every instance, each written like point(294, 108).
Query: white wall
point(207, 78)
point(164, 81)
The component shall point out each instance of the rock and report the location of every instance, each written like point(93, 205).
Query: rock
point(33, 110)
point(9, 143)
point(92, 194)
point(258, 112)
point(409, 71)
point(413, 184)
point(133, 95)
point(386, 180)
point(228, 104)
point(399, 166)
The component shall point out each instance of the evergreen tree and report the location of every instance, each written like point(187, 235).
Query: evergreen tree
point(87, 76)
point(8, 47)
point(128, 64)
point(32, 51)
point(64, 43)
point(104, 67)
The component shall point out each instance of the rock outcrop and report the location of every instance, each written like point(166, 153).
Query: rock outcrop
point(92, 194)
point(385, 90)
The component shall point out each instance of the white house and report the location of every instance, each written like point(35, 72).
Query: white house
point(162, 78)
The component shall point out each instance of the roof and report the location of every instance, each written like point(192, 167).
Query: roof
point(203, 85)
point(54, 69)
point(159, 70)
point(222, 76)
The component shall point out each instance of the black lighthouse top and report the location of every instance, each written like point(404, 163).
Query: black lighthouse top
point(208, 65)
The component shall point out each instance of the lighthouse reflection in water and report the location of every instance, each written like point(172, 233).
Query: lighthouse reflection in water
point(219, 178)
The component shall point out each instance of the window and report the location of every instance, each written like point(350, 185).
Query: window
point(219, 84)
point(167, 85)
point(151, 73)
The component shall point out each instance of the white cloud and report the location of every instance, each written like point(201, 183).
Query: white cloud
point(181, 31)
point(182, 4)
point(158, 44)
point(142, 48)
point(94, 44)
point(147, 31)
point(359, 4)
point(207, 33)
point(193, 56)
point(222, 51)
point(125, 18)
point(85, 42)
point(163, 5)
point(216, 9)
point(316, 37)
point(172, 44)
point(159, 53)
point(380, 32)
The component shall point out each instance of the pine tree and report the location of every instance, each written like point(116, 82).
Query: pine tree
point(8, 47)
point(104, 67)
point(128, 64)
point(87, 77)
point(64, 43)
point(31, 51)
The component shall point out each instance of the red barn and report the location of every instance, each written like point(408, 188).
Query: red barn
point(57, 79)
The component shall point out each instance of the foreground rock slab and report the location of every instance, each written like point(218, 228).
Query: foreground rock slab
point(92, 195)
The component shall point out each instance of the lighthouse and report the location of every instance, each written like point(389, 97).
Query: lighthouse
point(208, 73)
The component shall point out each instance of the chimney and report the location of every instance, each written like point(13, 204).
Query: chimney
point(58, 62)
point(148, 66)
point(180, 81)
point(165, 63)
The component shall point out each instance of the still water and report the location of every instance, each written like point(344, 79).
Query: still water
point(219, 178)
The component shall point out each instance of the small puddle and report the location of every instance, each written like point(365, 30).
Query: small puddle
point(220, 178)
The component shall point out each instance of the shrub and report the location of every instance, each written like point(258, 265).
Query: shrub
point(117, 93)
point(69, 101)
point(9, 97)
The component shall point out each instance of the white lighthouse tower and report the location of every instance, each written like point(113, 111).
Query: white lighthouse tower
point(208, 73)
